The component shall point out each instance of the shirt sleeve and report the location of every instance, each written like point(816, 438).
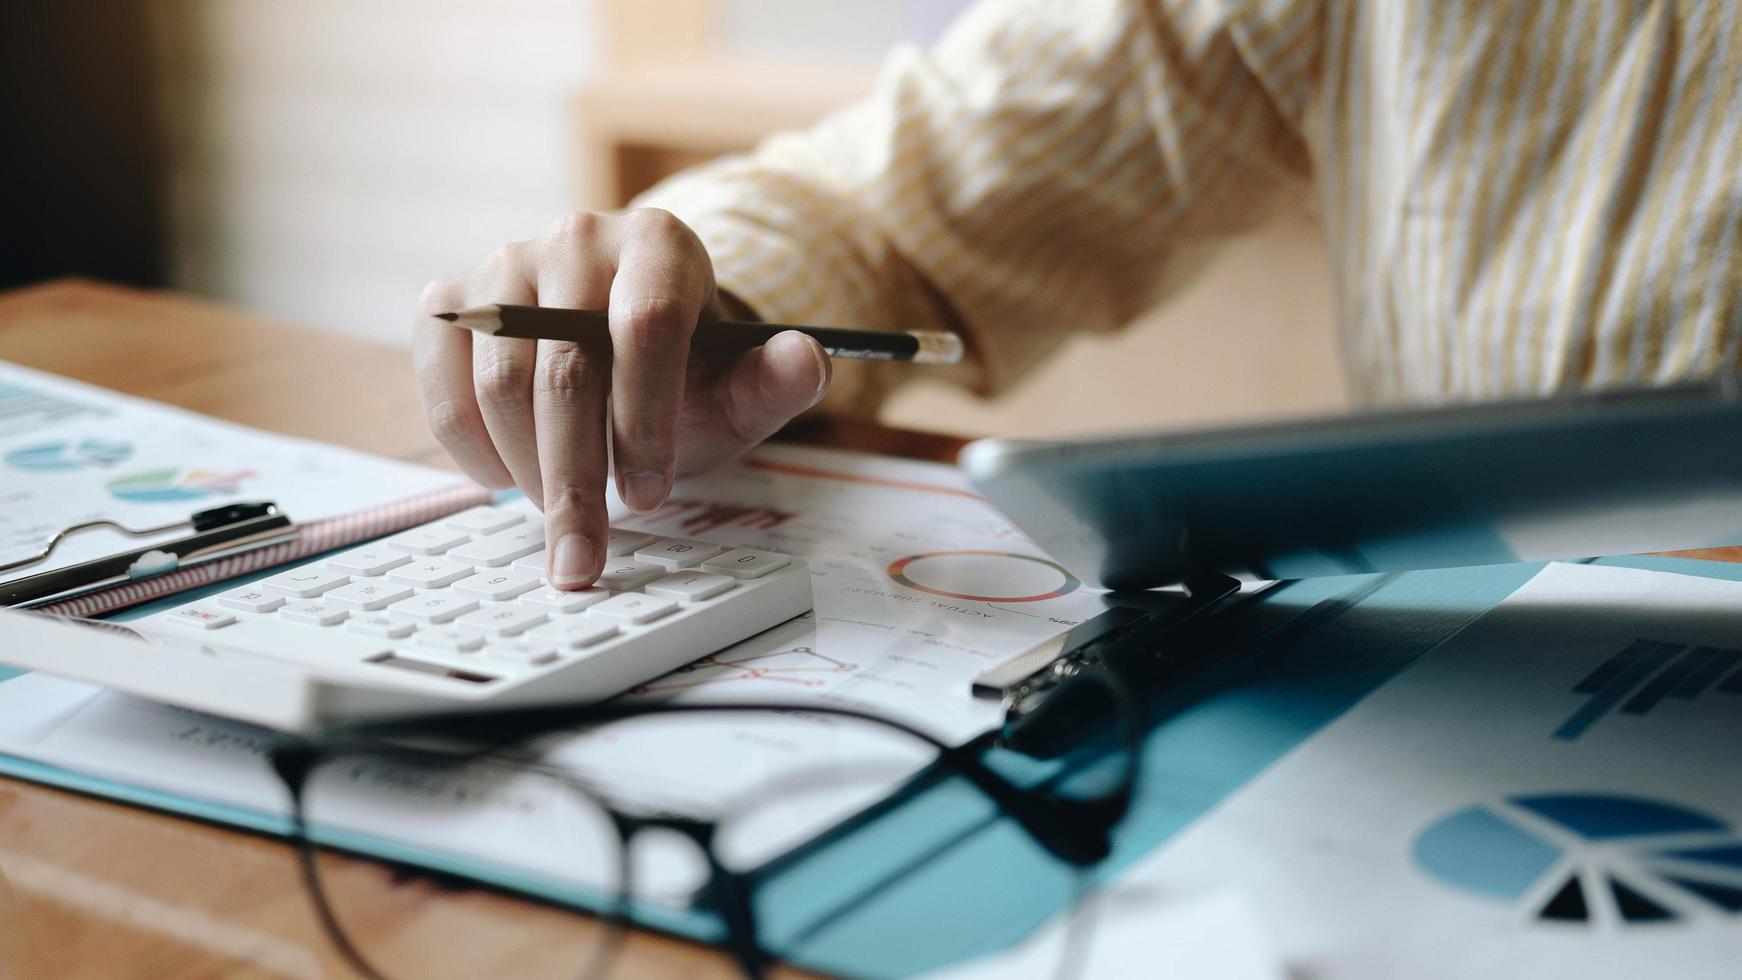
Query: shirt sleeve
point(1047, 169)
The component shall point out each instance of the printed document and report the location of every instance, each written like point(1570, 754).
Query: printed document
point(919, 585)
point(71, 453)
point(1551, 793)
point(1132, 929)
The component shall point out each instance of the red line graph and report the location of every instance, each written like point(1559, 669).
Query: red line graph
point(799, 665)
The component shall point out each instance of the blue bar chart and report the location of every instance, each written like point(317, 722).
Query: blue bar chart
point(1644, 674)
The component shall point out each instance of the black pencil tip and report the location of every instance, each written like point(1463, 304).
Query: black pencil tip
point(450, 317)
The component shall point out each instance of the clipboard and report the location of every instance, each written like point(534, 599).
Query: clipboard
point(259, 544)
point(83, 458)
point(215, 533)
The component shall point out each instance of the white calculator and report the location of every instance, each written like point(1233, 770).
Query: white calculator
point(451, 615)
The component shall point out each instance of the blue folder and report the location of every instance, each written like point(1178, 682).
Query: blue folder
point(935, 877)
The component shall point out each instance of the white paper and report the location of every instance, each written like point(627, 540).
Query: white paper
point(890, 643)
point(505, 817)
point(71, 453)
point(1414, 836)
point(1133, 929)
point(892, 633)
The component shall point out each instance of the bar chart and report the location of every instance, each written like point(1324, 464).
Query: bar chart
point(1646, 673)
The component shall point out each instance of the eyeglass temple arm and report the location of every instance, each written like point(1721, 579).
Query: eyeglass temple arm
point(732, 897)
point(1077, 832)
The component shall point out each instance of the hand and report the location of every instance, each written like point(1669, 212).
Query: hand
point(553, 418)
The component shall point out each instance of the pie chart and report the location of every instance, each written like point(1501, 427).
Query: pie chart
point(1590, 858)
point(176, 484)
point(984, 576)
point(72, 454)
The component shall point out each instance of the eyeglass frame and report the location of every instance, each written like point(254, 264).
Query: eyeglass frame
point(1076, 832)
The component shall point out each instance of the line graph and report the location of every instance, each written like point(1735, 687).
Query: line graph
point(801, 666)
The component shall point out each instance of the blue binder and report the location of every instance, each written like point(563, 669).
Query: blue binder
point(834, 905)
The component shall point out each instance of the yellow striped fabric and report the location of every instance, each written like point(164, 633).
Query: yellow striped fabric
point(1519, 196)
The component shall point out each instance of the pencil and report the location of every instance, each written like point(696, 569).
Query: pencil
point(591, 326)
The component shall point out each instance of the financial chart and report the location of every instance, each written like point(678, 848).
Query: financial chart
point(1552, 792)
point(919, 584)
point(71, 453)
point(1580, 857)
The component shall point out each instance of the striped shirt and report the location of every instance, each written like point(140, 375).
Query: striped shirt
point(1519, 196)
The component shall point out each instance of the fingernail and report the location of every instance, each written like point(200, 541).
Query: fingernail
point(818, 356)
point(643, 490)
point(822, 370)
point(570, 560)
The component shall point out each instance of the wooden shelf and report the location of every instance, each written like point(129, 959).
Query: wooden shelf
point(635, 126)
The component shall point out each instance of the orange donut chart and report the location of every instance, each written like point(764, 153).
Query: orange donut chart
point(1068, 583)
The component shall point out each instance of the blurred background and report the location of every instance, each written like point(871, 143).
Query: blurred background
point(319, 161)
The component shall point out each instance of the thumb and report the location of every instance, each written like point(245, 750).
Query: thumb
point(762, 392)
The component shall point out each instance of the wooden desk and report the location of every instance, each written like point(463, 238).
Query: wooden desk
point(94, 889)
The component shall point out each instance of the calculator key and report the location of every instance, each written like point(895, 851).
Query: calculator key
point(201, 617)
point(369, 596)
point(503, 620)
point(251, 598)
point(384, 624)
point(448, 639)
point(532, 564)
point(745, 563)
point(427, 540)
point(483, 520)
point(634, 608)
point(435, 607)
point(368, 562)
point(623, 575)
point(521, 655)
point(678, 552)
point(691, 585)
point(500, 549)
point(391, 626)
point(313, 612)
point(304, 583)
point(571, 634)
point(620, 542)
point(557, 601)
point(431, 573)
point(499, 585)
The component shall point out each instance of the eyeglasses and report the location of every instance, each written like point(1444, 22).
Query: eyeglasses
point(502, 774)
